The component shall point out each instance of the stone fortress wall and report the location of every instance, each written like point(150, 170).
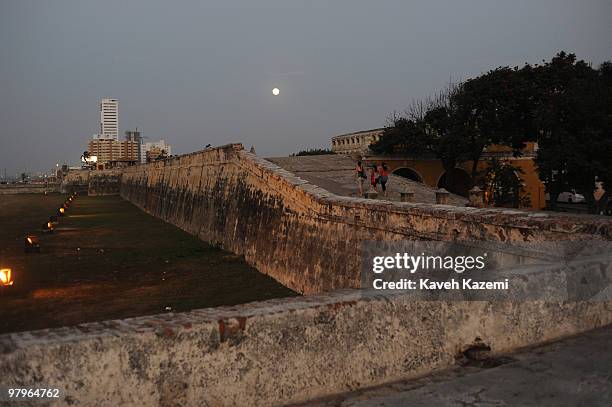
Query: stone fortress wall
point(277, 352)
point(292, 350)
point(305, 237)
point(92, 182)
point(12, 189)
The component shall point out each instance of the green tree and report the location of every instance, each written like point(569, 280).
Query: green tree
point(313, 151)
point(496, 108)
point(604, 77)
point(574, 140)
point(503, 185)
point(402, 136)
point(436, 129)
point(446, 136)
point(565, 105)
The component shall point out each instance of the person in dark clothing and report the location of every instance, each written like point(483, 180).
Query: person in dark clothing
point(361, 176)
point(383, 177)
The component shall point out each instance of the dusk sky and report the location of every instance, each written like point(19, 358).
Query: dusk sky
point(199, 72)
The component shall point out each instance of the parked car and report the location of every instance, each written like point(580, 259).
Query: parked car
point(570, 197)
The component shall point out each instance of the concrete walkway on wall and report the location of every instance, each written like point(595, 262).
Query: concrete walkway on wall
point(336, 173)
point(572, 372)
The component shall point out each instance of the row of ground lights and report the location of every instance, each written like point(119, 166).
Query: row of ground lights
point(31, 242)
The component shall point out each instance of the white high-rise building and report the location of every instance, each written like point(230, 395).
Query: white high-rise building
point(109, 119)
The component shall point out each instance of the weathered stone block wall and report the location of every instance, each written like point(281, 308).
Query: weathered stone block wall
point(92, 182)
point(11, 189)
point(305, 237)
point(292, 350)
point(279, 351)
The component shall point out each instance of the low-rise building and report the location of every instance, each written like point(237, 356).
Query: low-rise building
point(108, 149)
point(428, 169)
point(153, 150)
point(357, 143)
point(155, 153)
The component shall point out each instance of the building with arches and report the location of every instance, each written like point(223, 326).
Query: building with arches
point(357, 143)
point(429, 170)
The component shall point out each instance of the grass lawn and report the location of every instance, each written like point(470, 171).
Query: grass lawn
point(107, 259)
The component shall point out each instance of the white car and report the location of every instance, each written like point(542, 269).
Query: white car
point(570, 197)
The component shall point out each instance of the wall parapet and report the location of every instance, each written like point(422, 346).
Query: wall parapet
point(278, 351)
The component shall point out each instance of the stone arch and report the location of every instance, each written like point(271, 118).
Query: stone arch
point(461, 184)
point(408, 173)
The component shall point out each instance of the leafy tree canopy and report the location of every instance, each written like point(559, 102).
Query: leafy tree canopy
point(565, 105)
point(313, 151)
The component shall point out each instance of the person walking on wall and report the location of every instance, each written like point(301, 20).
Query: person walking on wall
point(361, 176)
point(383, 172)
point(374, 177)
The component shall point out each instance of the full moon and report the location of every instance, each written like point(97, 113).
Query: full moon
point(275, 91)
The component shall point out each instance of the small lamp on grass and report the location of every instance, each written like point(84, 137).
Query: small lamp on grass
point(47, 227)
point(6, 277)
point(61, 211)
point(31, 244)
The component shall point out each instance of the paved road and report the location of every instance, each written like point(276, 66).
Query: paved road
point(573, 372)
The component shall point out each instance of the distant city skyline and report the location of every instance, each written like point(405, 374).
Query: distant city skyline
point(204, 72)
point(106, 148)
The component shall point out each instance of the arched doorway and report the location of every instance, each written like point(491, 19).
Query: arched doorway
point(408, 173)
point(462, 182)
